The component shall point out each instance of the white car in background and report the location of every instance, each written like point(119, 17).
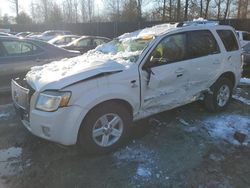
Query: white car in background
point(244, 37)
point(63, 40)
point(93, 99)
point(48, 35)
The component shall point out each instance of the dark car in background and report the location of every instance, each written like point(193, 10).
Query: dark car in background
point(63, 40)
point(17, 56)
point(246, 61)
point(86, 43)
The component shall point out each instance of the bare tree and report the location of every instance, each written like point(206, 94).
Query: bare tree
point(207, 7)
point(76, 10)
point(201, 8)
point(219, 5)
point(114, 9)
point(44, 5)
point(186, 10)
point(178, 11)
point(90, 8)
point(228, 2)
point(16, 6)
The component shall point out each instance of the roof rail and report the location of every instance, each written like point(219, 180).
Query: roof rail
point(198, 22)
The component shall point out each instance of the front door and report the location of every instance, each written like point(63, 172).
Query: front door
point(164, 76)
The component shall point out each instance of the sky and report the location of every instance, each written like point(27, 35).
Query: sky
point(5, 7)
point(24, 5)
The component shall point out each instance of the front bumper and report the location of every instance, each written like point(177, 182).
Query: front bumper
point(60, 126)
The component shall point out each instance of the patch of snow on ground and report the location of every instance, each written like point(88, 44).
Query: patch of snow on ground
point(6, 111)
point(245, 81)
point(142, 156)
point(242, 99)
point(143, 172)
point(225, 125)
point(9, 159)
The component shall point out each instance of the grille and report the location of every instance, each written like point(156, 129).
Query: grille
point(20, 95)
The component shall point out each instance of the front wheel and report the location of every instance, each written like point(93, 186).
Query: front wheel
point(220, 96)
point(105, 128)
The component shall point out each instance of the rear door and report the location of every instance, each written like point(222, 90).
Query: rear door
point(204, 61)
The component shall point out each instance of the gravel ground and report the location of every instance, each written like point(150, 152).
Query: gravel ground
point(184, 147)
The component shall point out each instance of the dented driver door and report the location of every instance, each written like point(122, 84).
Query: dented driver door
point(164, 76)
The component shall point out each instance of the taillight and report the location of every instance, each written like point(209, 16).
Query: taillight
point(242, 60)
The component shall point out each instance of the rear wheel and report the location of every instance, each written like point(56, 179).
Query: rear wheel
point(105, 128)
point(220, 96)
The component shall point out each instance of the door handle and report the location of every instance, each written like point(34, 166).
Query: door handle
point(179, 71)
point(216, 61)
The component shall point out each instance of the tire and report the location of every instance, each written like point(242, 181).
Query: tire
point(98, 135)
point(220, 96)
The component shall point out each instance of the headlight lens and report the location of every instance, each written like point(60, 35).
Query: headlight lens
point(52, 100)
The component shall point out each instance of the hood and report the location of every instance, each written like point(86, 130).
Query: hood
point(59, 74)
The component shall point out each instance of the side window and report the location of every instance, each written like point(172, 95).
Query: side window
point(2, 54)
point(201, 43)
point(84, 43)
point(16, 48)
point(170, 49)
point(228, 39)
point(246, 36)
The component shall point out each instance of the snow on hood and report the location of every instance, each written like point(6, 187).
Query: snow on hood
point(78, 68)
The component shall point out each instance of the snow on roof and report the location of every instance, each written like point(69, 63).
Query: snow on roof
point(200, 21)
point(149, 31)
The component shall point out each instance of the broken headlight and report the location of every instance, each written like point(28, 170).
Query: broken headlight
point(51, 100)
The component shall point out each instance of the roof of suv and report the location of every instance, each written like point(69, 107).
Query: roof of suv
point(162, 29)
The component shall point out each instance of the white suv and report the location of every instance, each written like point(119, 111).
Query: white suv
point(93, 99)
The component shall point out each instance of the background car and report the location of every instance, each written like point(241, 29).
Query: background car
point(48, 35)
point(5, 34)
point(17, 56)
point(63, 40)
point(86, 43)
point(23, 34)
point(246, 61)
point(244, 37)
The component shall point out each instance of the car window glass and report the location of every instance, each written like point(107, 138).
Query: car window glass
point(201, 43)
point(84, 42)
point(170, 49)
point(98, 42)
point(246, 47)
point(228, 39)
point(1, 51)
point(60, 41)
point(246, 36)
point(15, 48)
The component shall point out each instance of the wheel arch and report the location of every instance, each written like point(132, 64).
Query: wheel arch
point(122, 102)
point(229, 75)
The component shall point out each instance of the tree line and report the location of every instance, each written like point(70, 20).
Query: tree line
point(76, 11)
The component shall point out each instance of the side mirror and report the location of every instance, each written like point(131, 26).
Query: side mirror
point(149, 64)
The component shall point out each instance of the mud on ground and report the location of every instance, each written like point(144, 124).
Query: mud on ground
point(184, 147)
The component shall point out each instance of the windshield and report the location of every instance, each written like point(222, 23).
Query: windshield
point(120, 46)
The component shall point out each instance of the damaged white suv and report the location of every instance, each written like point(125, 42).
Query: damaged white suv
point(93, 99)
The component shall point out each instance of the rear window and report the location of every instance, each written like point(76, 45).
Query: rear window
point(201, 43)
point(246, 36)
point(228, 39)
point(17, 48)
